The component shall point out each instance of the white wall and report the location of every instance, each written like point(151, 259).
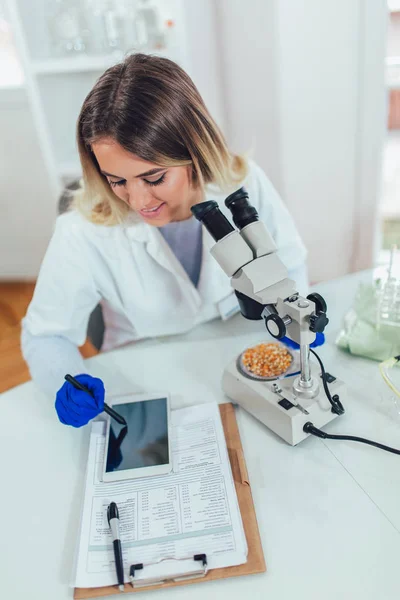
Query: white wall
point(393, 41)
point(318, 82)
point(371, 135)
point(294, 81)
point(27, 208)
point(248, 55)
point(203, 64)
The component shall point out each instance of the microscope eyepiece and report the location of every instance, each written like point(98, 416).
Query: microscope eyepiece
point(209, 214)
point(243, 212)
point(201, 209)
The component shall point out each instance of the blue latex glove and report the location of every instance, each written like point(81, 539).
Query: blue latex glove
point(319, 340)
point(77, 408)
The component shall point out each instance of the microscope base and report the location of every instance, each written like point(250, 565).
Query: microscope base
point(277, 409)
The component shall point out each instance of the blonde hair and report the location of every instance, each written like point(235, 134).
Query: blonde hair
point(152, 108)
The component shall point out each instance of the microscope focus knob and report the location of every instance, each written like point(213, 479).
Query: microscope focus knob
point(320, 304)
point(275, 326)
point(318, 322)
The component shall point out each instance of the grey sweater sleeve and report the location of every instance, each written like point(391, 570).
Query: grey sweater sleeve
point(49, 358)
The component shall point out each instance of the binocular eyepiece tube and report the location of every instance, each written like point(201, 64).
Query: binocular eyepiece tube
point(235, 249)
point(231, 251)
point(243, 213)
point(217, 225)
point(246, 219)
point(209, 214)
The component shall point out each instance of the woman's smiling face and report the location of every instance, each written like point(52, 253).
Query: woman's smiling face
point(159, 194)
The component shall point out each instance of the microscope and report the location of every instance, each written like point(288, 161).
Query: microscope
point(248, 256)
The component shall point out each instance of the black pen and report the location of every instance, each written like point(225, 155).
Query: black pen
point(113, 521)
point(110, 411)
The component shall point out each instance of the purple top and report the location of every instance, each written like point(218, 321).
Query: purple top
point(185, 240)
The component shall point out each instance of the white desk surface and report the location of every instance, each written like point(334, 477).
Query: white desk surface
point(328, 511)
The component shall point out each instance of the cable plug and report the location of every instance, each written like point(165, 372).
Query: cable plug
point(337, 406)
point(310, 428)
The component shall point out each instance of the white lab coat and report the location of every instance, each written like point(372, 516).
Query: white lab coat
point(131, 270)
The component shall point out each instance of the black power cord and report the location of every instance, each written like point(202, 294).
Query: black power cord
point(310, 428)
point(337, 408)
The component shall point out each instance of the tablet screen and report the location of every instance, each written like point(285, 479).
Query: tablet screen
point(143, 442)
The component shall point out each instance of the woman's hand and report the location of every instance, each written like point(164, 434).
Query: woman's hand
point(75, 407)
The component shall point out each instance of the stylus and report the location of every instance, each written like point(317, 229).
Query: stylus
point(110, 411)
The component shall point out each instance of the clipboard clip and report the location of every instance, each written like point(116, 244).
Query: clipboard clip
point(175, 569)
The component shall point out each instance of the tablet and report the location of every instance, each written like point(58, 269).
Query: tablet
point(140, 448)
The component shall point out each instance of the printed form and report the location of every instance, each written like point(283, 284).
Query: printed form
point(192, 510)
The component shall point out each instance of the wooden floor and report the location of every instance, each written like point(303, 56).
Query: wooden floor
point(14, 301)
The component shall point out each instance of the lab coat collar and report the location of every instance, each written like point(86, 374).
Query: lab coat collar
point(213, 284)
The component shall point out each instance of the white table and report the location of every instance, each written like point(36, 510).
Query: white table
point(328, 512)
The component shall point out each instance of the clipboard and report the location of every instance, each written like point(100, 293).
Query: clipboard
point(255, 557)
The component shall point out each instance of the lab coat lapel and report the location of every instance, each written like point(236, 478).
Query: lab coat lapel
point(156, 246)
point(213, 284)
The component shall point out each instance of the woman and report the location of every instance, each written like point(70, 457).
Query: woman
point(149, 151)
